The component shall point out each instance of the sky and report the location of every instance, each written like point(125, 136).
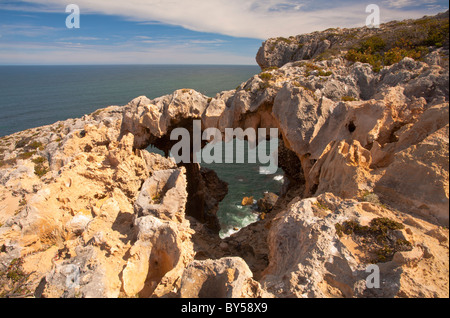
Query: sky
point(34, 32)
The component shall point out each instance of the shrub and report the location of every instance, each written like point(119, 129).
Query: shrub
point(372, 44)
point(35, 145)
point(39, 160)
point(266, 76)
point(285, 40)
point(323, 73)
point(378, 238)
point(348, 99)
point(26, 155)
point(407, 41)
point(270, 68)
point(40, 170)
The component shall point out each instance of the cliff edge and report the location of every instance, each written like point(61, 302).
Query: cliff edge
point(87, 211)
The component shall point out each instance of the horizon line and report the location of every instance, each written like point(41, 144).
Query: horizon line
point(134, 64)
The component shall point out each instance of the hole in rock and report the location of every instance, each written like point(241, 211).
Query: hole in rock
point(248, 178)
point(217, 187)
point(351, 127)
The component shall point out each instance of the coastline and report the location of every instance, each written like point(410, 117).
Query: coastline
point(365, 157)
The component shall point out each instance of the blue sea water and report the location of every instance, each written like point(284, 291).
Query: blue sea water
point(32, 96)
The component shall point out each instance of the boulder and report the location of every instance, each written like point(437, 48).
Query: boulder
point(267, 203)
point(224, 278)
point(163, 195)
point(247, 201)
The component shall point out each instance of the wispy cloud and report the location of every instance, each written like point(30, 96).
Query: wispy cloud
point(68, 52)
point(246, 18)
point(175, 31)
point(26, 30)
point(401, 4)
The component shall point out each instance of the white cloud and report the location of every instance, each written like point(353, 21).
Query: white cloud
point(242, 18)
point(400, 4)
point(68, 53)
point(27, 30)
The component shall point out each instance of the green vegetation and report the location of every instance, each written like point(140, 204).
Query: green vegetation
point(39, 166)
point(40, 170)
point(321, 206)
point(13, 280)
point(264, 85)
point(407, 41)
point(39, 160)
point(323, 73)
point(367, 196)
point(297, 84)
point(266, 76)
point(281, 40)
point(310, 67)
point(285, 40)
point(379, 238)
point(94, 114)
point(348, 99)
point(271, 68)
point(157, 198)
point(26, 155)
point(36, 145)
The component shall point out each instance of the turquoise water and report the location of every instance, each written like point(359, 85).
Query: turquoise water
point(244, 180)
point(32, 96)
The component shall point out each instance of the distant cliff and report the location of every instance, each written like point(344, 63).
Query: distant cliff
point(381, 46)
point(363, 120)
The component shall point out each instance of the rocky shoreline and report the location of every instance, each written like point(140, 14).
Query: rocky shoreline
point(86, 211)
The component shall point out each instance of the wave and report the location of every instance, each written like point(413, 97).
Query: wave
point(279, 178)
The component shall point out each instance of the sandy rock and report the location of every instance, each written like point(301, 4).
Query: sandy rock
point(418, 178)
point(224, 278)
point(342, 169)
point(103, 216)
point(157, 258)
point(163, 195)
point(79, 223)
point(81, 277)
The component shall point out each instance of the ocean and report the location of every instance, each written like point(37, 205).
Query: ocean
point(32, 96)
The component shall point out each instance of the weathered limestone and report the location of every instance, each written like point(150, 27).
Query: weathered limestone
point(163, 195)
point(224, 278)
point(90, 213)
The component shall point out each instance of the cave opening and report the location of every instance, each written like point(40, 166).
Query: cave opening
point(248, 182)
point(216, 190)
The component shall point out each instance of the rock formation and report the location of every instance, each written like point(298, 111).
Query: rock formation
point(86, 211)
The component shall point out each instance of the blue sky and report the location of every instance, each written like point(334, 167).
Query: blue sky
point(174, 31)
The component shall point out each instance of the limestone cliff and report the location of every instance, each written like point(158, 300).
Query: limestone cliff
point(86, 211)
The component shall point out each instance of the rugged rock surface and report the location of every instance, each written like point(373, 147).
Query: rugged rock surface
point(86, 211)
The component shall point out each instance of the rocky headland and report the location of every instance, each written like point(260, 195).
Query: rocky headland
point(86, 211)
